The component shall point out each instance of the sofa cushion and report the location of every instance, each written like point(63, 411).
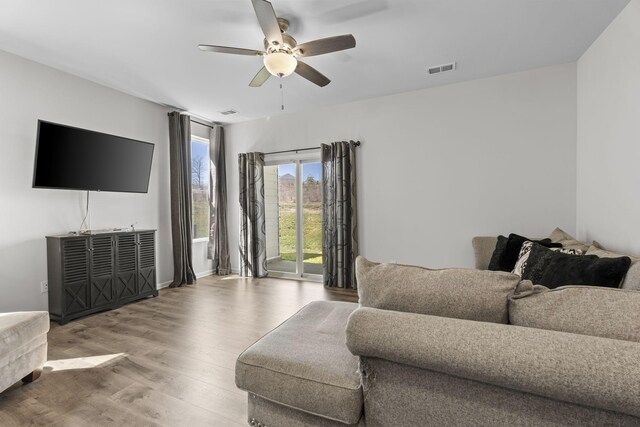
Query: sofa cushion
point(554, 269)
point(304, 364)
point(460, 293)
point(631, 280)
point(20, 328)
point(586, 310)
point(505, 256)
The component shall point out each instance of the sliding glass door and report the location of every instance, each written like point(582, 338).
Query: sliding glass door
point(293, 198)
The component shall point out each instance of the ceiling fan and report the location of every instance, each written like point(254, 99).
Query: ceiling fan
point(281, 52)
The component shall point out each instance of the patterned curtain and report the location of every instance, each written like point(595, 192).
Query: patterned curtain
point(180, 188)
point(339, 214)
point(218, 248)
point(253, 239)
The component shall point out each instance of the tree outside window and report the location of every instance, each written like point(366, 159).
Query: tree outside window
point(200, 187)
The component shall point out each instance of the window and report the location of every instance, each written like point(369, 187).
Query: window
point(200, 187)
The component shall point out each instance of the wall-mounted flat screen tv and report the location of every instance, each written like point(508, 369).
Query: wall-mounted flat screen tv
point(79, 159)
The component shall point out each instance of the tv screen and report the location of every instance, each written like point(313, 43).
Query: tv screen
point(80, 159)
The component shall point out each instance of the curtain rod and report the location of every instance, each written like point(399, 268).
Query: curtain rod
point(302, 149)
point(293, 151)
point(201, 123)
point(192, 117)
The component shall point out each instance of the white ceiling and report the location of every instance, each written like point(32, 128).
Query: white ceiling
point(148, 47)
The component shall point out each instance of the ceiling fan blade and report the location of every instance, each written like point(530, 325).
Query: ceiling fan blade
point(311, 74)
point(328, 45)
point(268, 21)
point(232, 50)
point(262, 76)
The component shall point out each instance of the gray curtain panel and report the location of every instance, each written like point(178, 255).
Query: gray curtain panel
point(180, 172)
point(253, 239)
point(218, 248)
point(339, 214)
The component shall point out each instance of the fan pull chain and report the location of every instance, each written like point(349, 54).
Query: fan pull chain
point(281, 97)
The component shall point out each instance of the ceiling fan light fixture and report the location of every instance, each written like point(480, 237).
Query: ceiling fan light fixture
point(280, 64)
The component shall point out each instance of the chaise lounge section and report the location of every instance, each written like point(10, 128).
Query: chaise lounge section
point(301, 373)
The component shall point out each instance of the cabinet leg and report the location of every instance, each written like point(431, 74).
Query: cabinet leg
point(32, 376)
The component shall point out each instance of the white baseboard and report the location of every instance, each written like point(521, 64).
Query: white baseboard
point(204, 274)
point(198, 276)
point(163, 284)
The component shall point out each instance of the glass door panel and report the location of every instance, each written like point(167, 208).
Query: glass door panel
point(311, 218)
point(280, 217)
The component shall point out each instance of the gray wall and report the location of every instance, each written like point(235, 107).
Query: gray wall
point(31, 91)
point(609, 135)
point(441, 165)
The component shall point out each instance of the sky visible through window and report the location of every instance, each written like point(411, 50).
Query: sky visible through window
point(198, 149)
point(313, 169)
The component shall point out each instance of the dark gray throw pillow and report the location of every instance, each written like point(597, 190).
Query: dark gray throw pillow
point(507, 250)
point(553, 269)
point(496, 257)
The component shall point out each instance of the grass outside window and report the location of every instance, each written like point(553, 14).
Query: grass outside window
point(312, 249)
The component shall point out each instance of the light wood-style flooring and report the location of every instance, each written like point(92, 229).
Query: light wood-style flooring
point(163, 361)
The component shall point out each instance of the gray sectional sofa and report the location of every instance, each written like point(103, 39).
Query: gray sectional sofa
point(450, 347)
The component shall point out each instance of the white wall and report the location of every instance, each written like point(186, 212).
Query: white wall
point(608, 188)
point(31, 91)
point(439, 166)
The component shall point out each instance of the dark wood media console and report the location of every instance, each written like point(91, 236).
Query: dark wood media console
point(91, 273)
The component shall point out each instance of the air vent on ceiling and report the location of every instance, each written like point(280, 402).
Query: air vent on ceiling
point(228, 112)
point(441, 68)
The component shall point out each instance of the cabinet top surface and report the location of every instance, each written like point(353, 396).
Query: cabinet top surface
point(105, 233)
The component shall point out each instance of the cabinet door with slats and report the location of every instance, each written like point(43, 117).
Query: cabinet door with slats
point(102, 271)
point(146, 262)
point(126, 268)
point(75, 275)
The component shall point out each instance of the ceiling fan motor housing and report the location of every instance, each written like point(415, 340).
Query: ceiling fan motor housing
point(288, 45)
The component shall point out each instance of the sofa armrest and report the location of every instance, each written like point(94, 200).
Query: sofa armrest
point(483, 247)
point(585, 370)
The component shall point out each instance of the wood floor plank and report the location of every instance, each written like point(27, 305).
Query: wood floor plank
point(163, 361)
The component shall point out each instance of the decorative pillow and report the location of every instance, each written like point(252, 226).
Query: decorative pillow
point(567, 240)
point(478, 295)
point(553, 269)
point(501, 246)
point(507, 250)
point(603, 253)
point(586, 310)
point(632, 278)
point(526, 250)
